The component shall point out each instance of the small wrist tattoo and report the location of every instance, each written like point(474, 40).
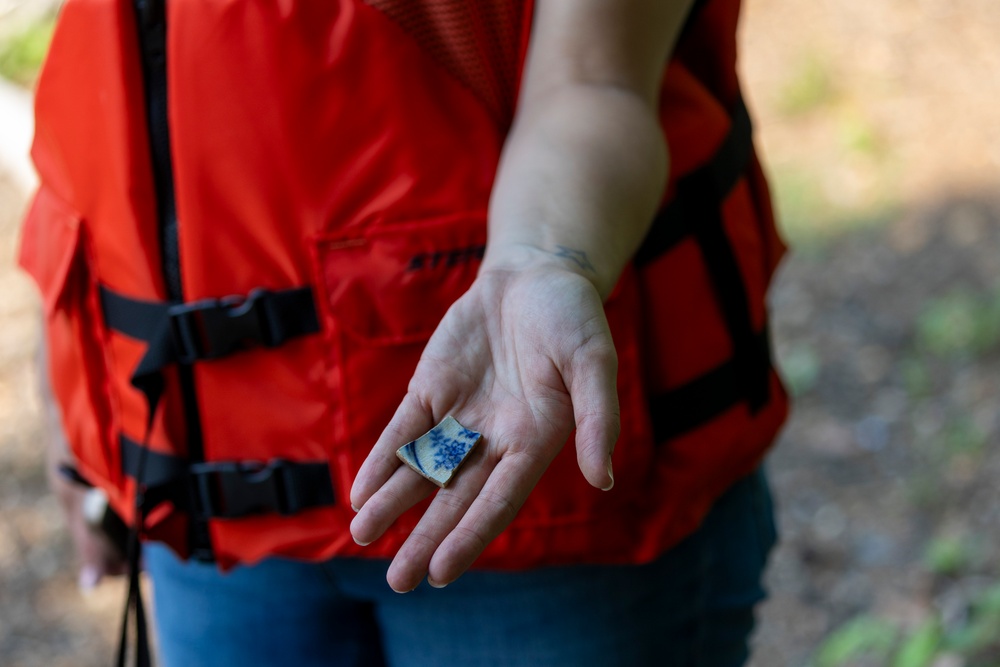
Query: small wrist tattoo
point(578, 257)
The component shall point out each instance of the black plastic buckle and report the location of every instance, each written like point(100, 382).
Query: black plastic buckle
point(233, 490)
point(214, 328)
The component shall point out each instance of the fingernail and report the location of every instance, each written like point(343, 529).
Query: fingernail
point(611, 474)
point(354, 535)
point(355, 508)
point(434, 584)
point(88, 578)
point(409, 590)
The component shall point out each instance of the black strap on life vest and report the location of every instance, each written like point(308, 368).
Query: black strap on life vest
point(229, 489)
point(150, 16)
point(187, 333)
point(693, 15)
point(696, 213)
point(184, 333)
point(702, 191)
point(181, 334)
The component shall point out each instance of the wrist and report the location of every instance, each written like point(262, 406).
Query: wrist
point(525, 257)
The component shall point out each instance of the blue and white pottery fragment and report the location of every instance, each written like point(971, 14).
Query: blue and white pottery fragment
point(437, 454)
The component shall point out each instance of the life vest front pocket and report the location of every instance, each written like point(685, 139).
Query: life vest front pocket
point(382, 294)
point(54, 252)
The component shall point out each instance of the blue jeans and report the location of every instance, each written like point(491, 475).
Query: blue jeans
point(692, 607)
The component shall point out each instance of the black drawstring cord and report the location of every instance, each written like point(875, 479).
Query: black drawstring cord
point(152, 387)
point(134, 599)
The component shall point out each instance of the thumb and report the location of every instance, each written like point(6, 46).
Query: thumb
point(594, 393)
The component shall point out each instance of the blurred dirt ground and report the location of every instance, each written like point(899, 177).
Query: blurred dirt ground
point(44, 620)
point(878, 121)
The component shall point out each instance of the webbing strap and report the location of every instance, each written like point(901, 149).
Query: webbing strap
point(750, 360)
point(699, 401)
point(185, 333)
point(695, 213)
point(133, 602)
point(210, 328)
point(693, 14)
point(228, 489)
point(157, 469)
point(702, 190)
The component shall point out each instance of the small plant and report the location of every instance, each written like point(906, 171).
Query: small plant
point(800, 366)
point(962, 436)
point(803, 210)
point(921, 647)
point(859, 137)
point(810, 87)
point(980, 635)
point(947, 555)
point(915, 376)
point(864, 637)
point(963, 324)
point(22, 54)
point(877, 642)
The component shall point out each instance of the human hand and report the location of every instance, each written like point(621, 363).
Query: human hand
point(96, 554)
point(521, 357)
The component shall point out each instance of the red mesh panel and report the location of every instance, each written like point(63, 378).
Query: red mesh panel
point(478, 41)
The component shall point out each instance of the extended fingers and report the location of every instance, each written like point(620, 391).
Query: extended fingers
point(399, 493)
point(492, 510)
point(410, 421)
point(411, 563)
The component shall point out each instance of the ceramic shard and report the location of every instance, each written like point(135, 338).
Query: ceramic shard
point(438, 453)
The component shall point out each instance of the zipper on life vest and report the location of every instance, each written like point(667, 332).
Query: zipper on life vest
point(152, 23)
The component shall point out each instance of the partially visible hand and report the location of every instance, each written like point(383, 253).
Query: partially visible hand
point(523, 357)
point(97, 556)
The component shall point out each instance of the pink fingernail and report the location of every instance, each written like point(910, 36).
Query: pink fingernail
point(88, 578)
point(611, 474)
point(403, 592)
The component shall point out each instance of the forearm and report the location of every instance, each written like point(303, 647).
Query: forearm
point(57, 449)
point(585, 165)
point(581, 175)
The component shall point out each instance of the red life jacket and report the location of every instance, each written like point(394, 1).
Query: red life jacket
point(328, 166)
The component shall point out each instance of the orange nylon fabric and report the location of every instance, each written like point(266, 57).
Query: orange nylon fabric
point(321, 144)
point(480, 43)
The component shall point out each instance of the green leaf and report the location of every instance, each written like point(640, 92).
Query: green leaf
point(22, 54)
point(863, 636)
point(919, 649)
point(947, 555)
